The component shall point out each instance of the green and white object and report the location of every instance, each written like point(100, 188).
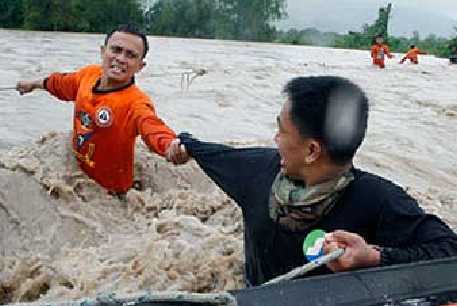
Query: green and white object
point(313, 245)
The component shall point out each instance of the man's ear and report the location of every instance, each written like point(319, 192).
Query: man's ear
point(141, 66)
point(313, 152)
point(102, 50)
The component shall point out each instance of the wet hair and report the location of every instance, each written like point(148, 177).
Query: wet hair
point(331, 109)
point(130, 29)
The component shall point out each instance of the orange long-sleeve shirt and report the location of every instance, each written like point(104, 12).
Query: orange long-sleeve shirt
point(106, 124)
point(412, 54)
point(379, 51)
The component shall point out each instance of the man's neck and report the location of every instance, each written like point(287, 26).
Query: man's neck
point(324, 172)
point(106, 84)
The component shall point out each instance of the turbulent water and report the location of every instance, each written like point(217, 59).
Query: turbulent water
point(62, 237)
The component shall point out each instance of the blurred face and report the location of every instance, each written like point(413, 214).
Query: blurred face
point(292, 147)
point(379, 40)
point(121, 58)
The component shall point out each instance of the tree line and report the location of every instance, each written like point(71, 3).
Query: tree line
point(68, 15)
point(252, 20)
point(439, 46)
point(220, 19)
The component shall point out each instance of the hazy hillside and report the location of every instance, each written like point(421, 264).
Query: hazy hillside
point(427, 17)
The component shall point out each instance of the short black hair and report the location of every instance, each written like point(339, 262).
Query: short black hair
point(131, 29)
point(332, 110)
point(412, 46)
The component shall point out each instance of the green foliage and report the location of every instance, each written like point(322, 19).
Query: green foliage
point(249, 20)
point(72, 15)
point(104, 15)
point(224, 19)
point(432, 44)
point(11, 14)
point(354, 40)
point(364, 39)
point(184, 18)
point(309, 36)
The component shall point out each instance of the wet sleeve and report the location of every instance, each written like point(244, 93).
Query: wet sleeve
point(63, 86)
point(154, 132)
point(387, 51)
point(407, 234)
point(239, 172)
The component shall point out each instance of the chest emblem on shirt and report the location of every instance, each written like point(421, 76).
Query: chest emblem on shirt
point(85, 119)
point(82, 138)
point(104, 116)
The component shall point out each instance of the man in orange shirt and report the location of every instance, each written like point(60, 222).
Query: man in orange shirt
point(111, 111)
point(378, 52)
point(412, 55)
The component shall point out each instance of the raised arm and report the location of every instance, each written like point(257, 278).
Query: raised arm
point(236, 171)
point(24, 87)
point(63, 86)
point(154, 132)
point(387, 51)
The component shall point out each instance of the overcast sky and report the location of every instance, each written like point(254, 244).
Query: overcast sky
point(426, 16)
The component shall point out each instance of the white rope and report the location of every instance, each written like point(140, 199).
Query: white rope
point(307, 267)
point(223, 299)
point(187, 77)
point(7, 88)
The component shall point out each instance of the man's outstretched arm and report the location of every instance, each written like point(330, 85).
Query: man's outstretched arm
point(24, 87)
point(236, 171)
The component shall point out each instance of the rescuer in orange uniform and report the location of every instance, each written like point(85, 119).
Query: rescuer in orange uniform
point(378, 52)
point(412, 55)
point(111, 111)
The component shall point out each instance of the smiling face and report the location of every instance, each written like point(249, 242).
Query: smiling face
point(122, 57)
point(292, 148)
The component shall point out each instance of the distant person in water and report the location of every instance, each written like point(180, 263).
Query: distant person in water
point(110, 111)
point(453, 56)
point(379, 51)
point(412, 55)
